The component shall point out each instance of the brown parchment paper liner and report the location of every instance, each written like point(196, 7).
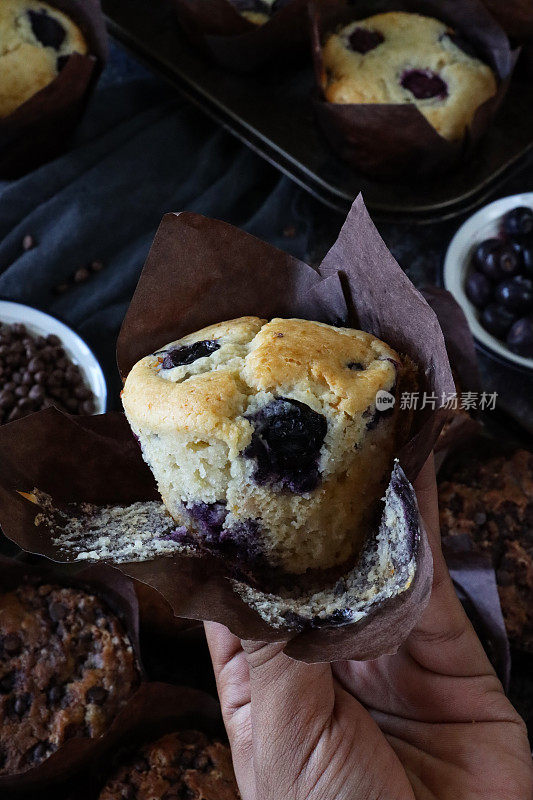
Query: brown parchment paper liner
point(396, 139)
point(236, 43)
point(39, 129)
point(161, 708)
point(117, 591)
point(463, 361)
point(200, 271)
point(515, 17)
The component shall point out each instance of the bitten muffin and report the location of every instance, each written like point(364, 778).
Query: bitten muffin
point(407, 58)
point(265, 439)
point(491, 501)
point(67, 667)
point(179, 765)
point(257, 11)
point(35, 43)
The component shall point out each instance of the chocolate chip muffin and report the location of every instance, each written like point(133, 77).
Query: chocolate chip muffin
point(399, 57)
point(36, 40)
point(179, 765)
point(269, 441)
point(67, 667)
point(491, 501)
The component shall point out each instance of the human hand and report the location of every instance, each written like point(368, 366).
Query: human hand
point(429, 723)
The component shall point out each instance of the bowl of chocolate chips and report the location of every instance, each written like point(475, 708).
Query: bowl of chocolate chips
point(45, 363)
point(489, 269)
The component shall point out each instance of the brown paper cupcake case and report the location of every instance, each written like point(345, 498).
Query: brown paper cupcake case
point(236, 43)
point(200, 271)
point(396, 139)
point(515, 17)
point(117, 591)
point(160, 708)
point(39, 129)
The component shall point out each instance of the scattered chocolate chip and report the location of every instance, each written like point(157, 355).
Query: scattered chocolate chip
point(81, 275)
point(37, 752)
point(7, 682)
point(54, 695)
point(96, 266)
point(28, 242)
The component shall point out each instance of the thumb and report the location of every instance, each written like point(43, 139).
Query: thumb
point(291, 707)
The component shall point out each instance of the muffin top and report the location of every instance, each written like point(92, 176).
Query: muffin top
point(399, 57)
point(67, 667)
point(208, 380)
point(179, 765)
point(35, 41)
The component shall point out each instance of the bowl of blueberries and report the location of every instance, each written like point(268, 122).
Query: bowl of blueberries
point(489, 269)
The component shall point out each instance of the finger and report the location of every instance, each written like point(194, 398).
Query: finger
point(292, 704)
point(233, 684)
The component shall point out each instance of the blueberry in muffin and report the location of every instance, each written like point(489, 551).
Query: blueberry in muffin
point(398, 58)
point(36, 40)
point(67, 668)
point(179, 765)
point(267, 439)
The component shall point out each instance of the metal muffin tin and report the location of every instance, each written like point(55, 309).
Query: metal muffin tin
point(273, 114)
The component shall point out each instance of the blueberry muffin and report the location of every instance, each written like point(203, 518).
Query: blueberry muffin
point(407, 58)
point(35, 43)
point(179, 765)
point(67, 667)
point(269, 441)
point(490, 501)
point(257, 11)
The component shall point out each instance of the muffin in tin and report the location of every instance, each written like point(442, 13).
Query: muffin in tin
point(270, 441)
point(186, 764)
point(36, 40)
point(403, 58)
point(67, 667)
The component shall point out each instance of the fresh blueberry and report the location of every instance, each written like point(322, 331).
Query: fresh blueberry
point(523, 249)
point(484, 258)
point(478, 289)
point(210, 518)
point(356, 366)
point(189, 353)
point(515, 294)
point(286, 443)
point(423, 84)
point(46, 29)
point(520, 337)
point(497, 320)
point(362, 40)
point(518, 222)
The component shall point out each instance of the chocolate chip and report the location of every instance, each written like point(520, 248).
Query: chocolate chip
point(74, 729)
point(54, 695)
point(7, 682)
point(28, 242)
point(57, 611)
point(37, 752)
point(81, 275)
point(97, 266)
point(20, 705)
point(96, 695)
point(46, 29)
point(12, 644)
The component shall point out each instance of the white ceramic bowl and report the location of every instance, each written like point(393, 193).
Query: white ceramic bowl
point(39, 323)
point(482, 225)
